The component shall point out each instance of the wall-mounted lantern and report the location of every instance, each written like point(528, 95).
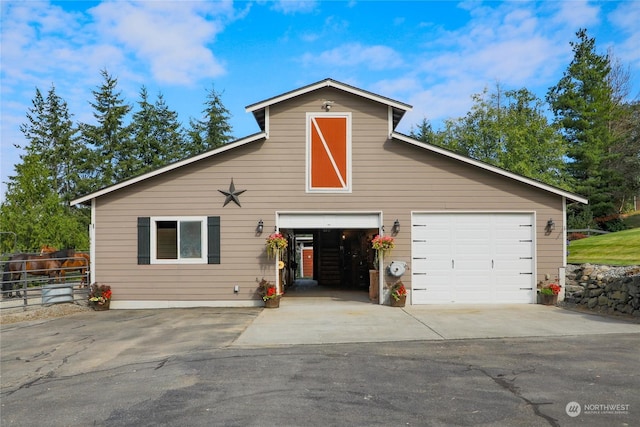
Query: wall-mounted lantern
point(396, 227)
point(550, 225)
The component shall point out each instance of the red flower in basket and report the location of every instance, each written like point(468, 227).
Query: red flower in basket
point(100, 294)
point(552, 289)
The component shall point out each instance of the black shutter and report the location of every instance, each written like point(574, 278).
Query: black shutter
point(144, 240)
point(213, 240)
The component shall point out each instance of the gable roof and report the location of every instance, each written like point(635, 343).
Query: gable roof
point(169, 167)
point(258, 109)
point(486, 166)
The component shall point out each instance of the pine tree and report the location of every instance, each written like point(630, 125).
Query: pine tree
point(213, 130)
point(36, 205)
point(424, 132)
point(584, 109)
point(110, 139)
point(157, 134)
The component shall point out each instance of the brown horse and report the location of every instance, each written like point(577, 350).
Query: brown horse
point(38, 265)
point(79, 262)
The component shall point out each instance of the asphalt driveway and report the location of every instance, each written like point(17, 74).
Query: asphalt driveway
point(202, 367)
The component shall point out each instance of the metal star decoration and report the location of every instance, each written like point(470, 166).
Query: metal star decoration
point(232, 195)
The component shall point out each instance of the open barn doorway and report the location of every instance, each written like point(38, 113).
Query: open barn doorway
point(328, 260)
point(328, 252)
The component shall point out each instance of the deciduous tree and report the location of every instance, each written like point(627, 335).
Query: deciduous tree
point(507, 129)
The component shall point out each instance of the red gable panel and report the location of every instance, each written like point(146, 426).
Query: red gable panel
point(328, 152)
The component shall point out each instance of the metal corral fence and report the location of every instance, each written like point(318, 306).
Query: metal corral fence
point(587, 231)
point(29, 286)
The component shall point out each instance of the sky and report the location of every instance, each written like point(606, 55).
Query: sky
point(433, 55)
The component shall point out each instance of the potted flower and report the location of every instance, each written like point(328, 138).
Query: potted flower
point(382, 245)
point(269, 294)
point(398, 295)
point(276, 242)
point(549, 294)
point(100, 297)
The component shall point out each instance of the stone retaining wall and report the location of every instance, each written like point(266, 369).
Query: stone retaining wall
point(612, 290)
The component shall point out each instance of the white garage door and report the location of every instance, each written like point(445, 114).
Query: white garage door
point(472, 258)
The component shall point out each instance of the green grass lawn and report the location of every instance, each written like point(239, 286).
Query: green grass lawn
point(620, 248)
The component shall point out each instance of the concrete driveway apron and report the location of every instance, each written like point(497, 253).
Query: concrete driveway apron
point(336, 319)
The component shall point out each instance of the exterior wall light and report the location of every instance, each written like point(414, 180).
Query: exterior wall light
point(396, 226)
point(260, 227)
point(550, 225)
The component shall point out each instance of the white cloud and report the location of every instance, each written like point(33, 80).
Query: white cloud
point(515, 44)
point(171, 37)
point(289, 7)
point(376, 57)
point(626, 17)
point(389, 87)
point(576, 14)
point(138, 42)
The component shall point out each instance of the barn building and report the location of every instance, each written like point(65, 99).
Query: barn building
point(329, 172)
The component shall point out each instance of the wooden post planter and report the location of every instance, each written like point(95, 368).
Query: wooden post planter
point(400, 302)
point(272, 303)
point(101, 307)
point(548, 299)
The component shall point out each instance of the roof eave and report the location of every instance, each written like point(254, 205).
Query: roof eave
point(486, 166)
point(328, 83)
point(170, 167)
point(258, 109)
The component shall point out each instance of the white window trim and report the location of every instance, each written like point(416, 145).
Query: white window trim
point(203, 240)
point(347, 187)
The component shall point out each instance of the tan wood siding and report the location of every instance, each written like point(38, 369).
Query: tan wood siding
point(388, 176)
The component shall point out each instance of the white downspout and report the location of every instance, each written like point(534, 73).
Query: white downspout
point(381, 295)
point(92, 244)
point(562, 271)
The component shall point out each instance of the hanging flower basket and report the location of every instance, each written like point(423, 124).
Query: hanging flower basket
point(276, 243)
point(383, 246)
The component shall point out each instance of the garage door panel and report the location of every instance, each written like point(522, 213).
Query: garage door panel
point(472, 286)
point(471, 266)
point(435, 287)
point(513, 266)
point(510, 251)
point(473, 258)
point(517, 282)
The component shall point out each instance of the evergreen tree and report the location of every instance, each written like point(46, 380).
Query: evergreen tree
point(110, 139)
point(36, 205)
point(52, 135)
point(213, 130)
point(424, 132)
point(157, 135)
point(584, 109)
